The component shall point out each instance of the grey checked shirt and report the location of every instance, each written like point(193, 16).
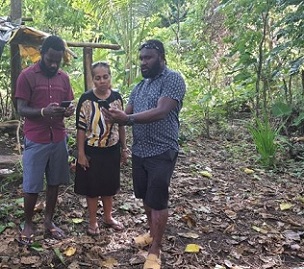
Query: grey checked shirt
point(154, 138)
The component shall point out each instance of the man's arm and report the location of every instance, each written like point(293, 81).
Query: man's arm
point(164, 106)
point(25, 111)
point(52, 110)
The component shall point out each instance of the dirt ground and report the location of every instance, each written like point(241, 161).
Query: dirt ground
point(225, 212)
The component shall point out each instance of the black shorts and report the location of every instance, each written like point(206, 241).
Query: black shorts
point(102, 178)
point(151, 178)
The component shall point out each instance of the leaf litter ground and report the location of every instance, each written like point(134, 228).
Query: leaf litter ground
point(238, 219)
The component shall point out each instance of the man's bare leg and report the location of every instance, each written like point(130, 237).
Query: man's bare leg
point(157, 225)
point(50, 204)
point(30, 200)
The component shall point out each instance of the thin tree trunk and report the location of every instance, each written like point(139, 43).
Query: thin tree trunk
point(16, 15)
point(302, 79)
point(289, 90)
point(260, 67)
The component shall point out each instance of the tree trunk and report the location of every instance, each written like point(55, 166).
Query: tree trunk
point(87, 63)
point(16, 15)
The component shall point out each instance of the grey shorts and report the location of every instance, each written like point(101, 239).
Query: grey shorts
point(49, 161)
point(151, 178)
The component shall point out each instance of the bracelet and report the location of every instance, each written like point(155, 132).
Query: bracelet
point(125, 150)
point(130, 120)
point(41, 112)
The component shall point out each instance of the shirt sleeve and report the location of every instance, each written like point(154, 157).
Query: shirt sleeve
point(134, 92)
point(23, 89)
point(80, 115)
point(174, 86)
point(70, 94)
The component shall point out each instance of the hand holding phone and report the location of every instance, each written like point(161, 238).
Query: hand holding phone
point(65, 103)
point(104, 103)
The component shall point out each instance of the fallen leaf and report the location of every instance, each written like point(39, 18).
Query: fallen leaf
point(228, 263)
point(260, 230)
point(286, 206)
point(109, 263)
point(208, 169)
point(206, 174)
point(248, 171)
point(189, 220)
point(219, 267)
point(30, 260)
point(39, 206)
point(59, 255)
point(189, 235)
point(230, 214)
point(70, 251)
point(300, 198)
point(77, 220)
point(192, 248)
point(37, 246)
point(291, 235)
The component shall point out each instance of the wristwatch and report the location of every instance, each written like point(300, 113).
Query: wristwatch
point(130, 120)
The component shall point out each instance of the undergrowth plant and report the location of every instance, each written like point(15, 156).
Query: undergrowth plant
point(264, 137)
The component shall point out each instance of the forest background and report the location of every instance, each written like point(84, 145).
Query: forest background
point(235, 55)
point(237, 192)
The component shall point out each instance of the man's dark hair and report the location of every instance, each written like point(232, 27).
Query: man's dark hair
point(153, 44)
point(52, 42)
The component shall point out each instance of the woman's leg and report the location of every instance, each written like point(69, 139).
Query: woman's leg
point(107, 202)
point(92, 206)
point(108, 220)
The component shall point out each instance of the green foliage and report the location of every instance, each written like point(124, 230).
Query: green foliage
point(281, 109)
point(264, 138)
point(230, 52)
point(13, 178)
point(9, 208)
point(57, 17)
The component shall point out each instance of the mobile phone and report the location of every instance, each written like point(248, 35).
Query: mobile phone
point(104, 103)
point(65, 103)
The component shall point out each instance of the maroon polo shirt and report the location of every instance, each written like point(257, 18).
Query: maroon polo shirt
point(39, 90)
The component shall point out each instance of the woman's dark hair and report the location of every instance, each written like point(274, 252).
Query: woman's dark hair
point(100, 64)
point(52, 42)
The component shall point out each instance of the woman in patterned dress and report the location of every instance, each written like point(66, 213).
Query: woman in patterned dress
point(101, 147)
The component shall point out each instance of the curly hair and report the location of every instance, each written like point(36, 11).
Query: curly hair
point(52, 42)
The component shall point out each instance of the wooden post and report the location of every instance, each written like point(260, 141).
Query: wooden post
point(87, 63)
point(16, 15)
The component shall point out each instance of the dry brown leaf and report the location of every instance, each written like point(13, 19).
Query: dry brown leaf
point(230, 214)
point(189, 235)
point(189, 220)
point(109, 263)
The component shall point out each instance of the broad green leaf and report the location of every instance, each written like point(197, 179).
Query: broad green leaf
point(37, 246)
point(281, 109)
point(59, 255)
